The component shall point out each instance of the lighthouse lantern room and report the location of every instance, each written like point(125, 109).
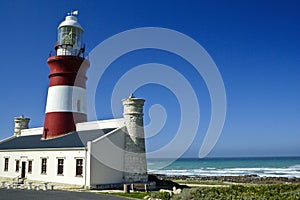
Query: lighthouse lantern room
point(66, 100)
point(70, 37)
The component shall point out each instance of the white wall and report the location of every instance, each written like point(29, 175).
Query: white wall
point(101, 124)
point(107, 158)
point(69, 156)
point(84, 126)
point(32, 131)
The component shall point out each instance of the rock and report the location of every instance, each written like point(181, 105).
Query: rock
point(178, 191)
point(168, 191)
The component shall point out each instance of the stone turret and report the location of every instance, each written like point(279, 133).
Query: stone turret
point(20, 124)
point(135, 164)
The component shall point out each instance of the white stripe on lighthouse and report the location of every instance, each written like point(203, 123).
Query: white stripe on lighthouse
point(66, 99)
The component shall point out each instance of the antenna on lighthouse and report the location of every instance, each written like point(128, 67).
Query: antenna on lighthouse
point(72, 13)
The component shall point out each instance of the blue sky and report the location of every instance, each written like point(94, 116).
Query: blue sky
point(255, 45)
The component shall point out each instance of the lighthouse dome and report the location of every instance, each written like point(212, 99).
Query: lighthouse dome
point(70, 20)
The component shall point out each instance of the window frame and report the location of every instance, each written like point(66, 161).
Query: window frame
point(17, 165)
point(6, 163)
point(43, 166)
point(79, 167)
point(29, 166)
point(60, 166)
point(78, 105)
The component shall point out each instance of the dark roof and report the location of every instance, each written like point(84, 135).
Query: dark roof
point(70, 140)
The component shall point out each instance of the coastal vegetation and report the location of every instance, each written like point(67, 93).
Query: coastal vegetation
point(241, 192)
point(217, 190)
point(234, 192)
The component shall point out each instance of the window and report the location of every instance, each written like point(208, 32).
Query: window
point(17, 165)
point(44, 166)
point(78, 105)
point(79, 167)
point(60, 166)
point(30, 166)
point(6, 164)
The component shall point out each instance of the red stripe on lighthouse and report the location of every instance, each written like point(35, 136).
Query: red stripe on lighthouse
point(62, 114)
point(68, 70)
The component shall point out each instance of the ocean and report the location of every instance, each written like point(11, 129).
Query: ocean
point(263, 167)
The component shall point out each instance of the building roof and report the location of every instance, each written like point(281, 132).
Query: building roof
point(70, 140)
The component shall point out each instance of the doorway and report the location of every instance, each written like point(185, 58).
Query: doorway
point(23, 170)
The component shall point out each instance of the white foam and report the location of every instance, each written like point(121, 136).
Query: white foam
point(292, 171)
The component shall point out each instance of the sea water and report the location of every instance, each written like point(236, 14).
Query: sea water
point(263, 167)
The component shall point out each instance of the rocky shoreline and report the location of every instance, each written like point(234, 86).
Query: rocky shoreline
point(252, 179)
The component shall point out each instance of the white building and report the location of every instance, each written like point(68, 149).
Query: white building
point(95, 154)
point(98, 154)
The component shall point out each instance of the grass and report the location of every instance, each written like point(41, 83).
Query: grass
point(241, 192)
point(249, 191)
point(135, 195)
point(238, 192)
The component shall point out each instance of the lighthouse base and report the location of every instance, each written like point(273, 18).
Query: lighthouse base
point(60, 123)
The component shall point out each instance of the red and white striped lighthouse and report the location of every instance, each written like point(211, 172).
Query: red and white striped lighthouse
point(66, 101)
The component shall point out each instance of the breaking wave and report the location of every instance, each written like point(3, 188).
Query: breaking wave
point(292, 171)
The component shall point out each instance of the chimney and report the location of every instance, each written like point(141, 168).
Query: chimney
point(20, 124)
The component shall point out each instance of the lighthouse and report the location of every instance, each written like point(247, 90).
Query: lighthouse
point(66, 100)
point(68, 151)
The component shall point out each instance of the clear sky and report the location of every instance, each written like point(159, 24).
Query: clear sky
point(255, 45)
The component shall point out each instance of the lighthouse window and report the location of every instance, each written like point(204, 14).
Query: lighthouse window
point(78, 105)
point(44, 166)
point(60, 166)
point(6, 164)
point(67, 35)
point(78, 39)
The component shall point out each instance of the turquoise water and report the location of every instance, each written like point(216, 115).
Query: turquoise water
point(275, 167)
